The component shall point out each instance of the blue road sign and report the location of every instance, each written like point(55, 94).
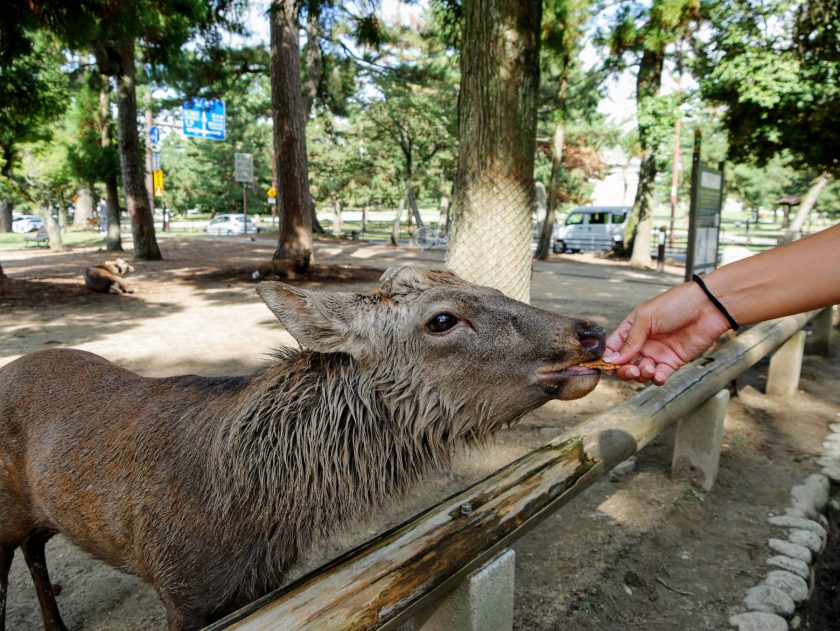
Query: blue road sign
point(154, 135)
point(204, 118)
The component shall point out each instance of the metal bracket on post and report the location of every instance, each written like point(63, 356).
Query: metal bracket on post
point(699, 439)
point(785, 366)
point(483, 600)
point(821, 328)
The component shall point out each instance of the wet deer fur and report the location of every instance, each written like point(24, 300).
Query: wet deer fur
point(210, 488)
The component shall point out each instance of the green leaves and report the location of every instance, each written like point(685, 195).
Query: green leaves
point(774, 65)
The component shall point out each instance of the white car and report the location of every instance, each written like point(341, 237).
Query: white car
point(590, 229)
point(230, 225)
point(26, 223)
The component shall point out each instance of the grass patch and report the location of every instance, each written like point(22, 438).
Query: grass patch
point(15, 240)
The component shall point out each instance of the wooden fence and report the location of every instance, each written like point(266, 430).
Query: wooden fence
point(405, 572)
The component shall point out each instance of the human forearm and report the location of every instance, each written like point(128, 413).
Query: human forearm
point(789, 279)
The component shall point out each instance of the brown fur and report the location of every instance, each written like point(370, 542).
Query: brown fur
point(108, 277)
point(210, 488)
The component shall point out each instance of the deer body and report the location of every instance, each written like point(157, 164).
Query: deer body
point(210, 488)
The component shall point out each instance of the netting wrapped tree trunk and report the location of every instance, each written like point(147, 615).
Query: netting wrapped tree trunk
point(490, 241)
point(296, 239)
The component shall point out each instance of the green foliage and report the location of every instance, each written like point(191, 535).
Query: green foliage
point(45, 173)
point(33, 92)
point(199, 173)
point(399, 127)
point(775, 66)
point(88, 160)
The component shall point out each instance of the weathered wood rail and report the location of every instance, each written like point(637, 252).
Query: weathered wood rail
point(396, 576)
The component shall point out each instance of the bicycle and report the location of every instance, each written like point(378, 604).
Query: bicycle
point(427, 238)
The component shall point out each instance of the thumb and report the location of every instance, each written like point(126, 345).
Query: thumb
point(627, 340)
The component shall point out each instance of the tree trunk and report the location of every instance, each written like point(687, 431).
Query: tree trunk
point(490, 240)
point(412, 205)
point(544, 247)
point(806, 205)
point(113, 239)
point(51, 226)
point(395, 229)
point(62, 217)
point(336, 227)
point(443, 214)
point(314, 62)
point(314, 65)
point(84, 207)
point(131, 161)
point(6, 212)
point(296, 239)
point(637, 233)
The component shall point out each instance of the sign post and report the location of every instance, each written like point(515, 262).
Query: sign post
point(272, 201)
point(243, 171)
point(158, 182)
point(704, 214)
point(204, 118)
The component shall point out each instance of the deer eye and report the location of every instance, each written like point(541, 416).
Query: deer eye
point(441, 323)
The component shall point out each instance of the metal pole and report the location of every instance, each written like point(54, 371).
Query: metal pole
point(150, 187)
point(692, 210)
point(675, 170)
point(245, 204)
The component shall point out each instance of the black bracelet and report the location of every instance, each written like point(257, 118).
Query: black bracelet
point(715, 301)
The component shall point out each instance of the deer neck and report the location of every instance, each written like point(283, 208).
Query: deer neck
point(315, 442)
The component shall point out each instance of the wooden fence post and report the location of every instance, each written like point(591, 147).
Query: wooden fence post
point(483, 601)
point(785, 366)
point(699, 439)
point(821, 329)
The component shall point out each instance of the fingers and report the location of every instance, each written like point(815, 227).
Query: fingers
point(645, 371)
point(616, 341)
point(627, 340)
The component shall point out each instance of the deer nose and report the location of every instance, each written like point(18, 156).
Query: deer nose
point(592, 339)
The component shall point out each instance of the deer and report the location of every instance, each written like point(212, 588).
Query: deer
point(210, 488)
point(108, 277)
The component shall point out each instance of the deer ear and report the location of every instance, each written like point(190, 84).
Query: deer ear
point(318, 320)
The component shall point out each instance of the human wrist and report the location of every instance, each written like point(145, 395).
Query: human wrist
point(706, 311)
point(733, 324)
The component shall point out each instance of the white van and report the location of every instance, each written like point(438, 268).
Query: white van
point(590, 229)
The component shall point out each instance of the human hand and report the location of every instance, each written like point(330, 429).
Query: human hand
point(663, 334)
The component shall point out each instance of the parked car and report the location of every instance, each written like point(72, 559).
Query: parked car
point(230, 225)
point(26, 223)
point(590, 229)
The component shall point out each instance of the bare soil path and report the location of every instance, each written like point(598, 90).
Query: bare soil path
point(644, 551)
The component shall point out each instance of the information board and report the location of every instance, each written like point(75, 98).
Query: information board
point(243, 167)
point(703, 216)
point(204, 118)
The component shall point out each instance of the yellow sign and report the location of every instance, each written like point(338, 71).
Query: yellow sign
point(272, 192)
point(158, 183)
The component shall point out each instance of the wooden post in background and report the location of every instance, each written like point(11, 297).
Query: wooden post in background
point(785, 366)
point(699, 439)
point(821, 329)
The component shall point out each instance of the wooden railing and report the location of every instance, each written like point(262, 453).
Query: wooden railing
point(388, 580)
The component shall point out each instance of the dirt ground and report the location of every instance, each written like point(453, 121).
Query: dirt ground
point(644, 551)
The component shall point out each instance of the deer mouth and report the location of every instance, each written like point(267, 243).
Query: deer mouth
point(568, 382)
